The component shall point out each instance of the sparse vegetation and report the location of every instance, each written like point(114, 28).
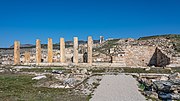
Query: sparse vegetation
point(44, 70)
point(89, 96)
point(95, 85)
point(142, 70)
point(175, 38)
point(106, 46)
point(20, 88)
point(169, 36)
point(102, 70)
point(176, 69)
point(132, 70)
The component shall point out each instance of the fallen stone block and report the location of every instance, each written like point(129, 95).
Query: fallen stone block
point(174, 76)
point(57, 71)
point(175, 81)
point(163, 86)
point(39, 77)
point(169, 96)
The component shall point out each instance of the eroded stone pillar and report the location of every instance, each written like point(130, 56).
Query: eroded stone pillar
point(38, 51)
point(90, 43)
point(50, 50)
point(27, 57)
point(75, 56)
point(101, 39)
point(62, 50)
point(16, 52)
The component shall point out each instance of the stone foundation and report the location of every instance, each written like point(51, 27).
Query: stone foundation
point(141, 56)
point(123, 55)
point(27, 56)
point(161, 59)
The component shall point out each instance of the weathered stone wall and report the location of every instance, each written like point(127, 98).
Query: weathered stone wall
point(124, 52)
point(175, 60)
point(162, 59)
point(101, 58)
point(27, 56)
point(139, 55)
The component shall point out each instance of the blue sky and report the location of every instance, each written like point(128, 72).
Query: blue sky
point(27, 20)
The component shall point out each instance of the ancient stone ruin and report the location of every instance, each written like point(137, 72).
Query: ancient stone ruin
point(112, 52)
point(50, 52)
point(16, 52)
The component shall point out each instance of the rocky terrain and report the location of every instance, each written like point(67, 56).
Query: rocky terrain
point(168, 43)
point(66, 83)
point(148, 59)
point(163, 87)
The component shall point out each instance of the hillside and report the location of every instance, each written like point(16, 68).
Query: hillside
point(56, 45)
point(175, 38)
point(169, 43)
point(23, 45)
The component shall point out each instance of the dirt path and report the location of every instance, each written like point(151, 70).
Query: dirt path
point(117, 88)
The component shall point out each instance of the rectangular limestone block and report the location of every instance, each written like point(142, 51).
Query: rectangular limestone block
point(27, 57)
point(38, 51)
point(16, 52)
point(75, 56)
point(50, 50)
point(62, 50)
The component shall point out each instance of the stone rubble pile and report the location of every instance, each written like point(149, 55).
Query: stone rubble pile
point(81, 80)
point(164, 44)
point(90, 85)
point(165, 88)
point(8, 69)
point(61, 79)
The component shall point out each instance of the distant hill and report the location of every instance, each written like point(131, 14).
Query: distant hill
point(170, 43)
point(56, 45)
point(81, 42)
point(23, 45)
point(168, 36)
point(175, 38)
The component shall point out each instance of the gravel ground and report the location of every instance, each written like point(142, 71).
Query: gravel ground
point(117, 88)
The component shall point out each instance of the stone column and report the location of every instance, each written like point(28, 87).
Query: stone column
point(27, 57)
point(90, 43)
point(101, 39)
point(16, 52)
point(50, 50)
point(38, 51)
point(62, 50)
point(75, 56)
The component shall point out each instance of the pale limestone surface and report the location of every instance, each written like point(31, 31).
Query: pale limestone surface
point(117, 88)
point(27, 56)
